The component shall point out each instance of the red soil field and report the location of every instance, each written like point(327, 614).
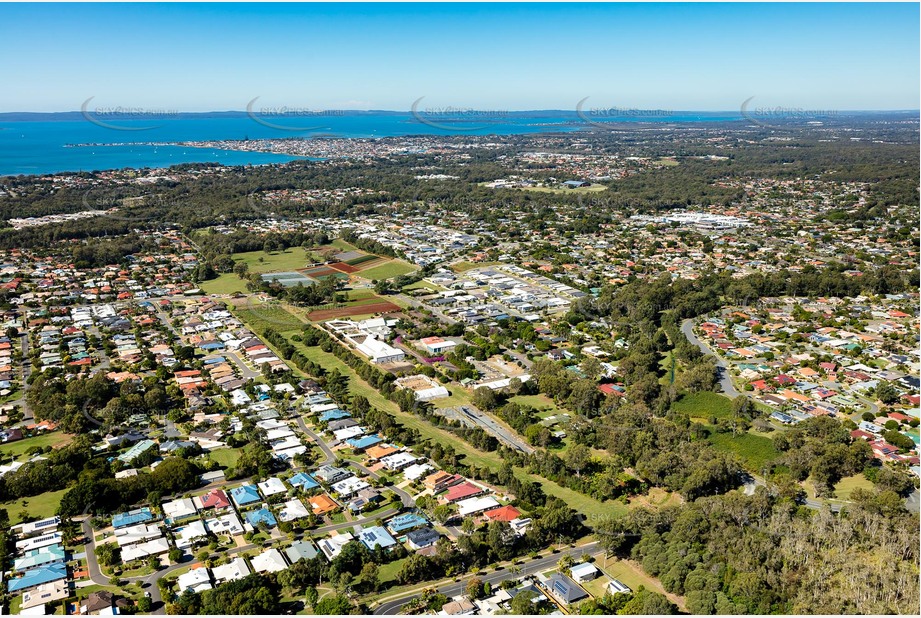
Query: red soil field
point(329, 314)
point(343, 267)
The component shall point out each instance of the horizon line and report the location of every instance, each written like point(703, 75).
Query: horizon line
point(142, 110)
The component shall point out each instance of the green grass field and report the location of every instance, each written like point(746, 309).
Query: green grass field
point(393, 268)
point(260, 316)
point(18, 449)
point(704, 405)
point(276, 261)
point(595, 511)
point(226, 457)
point(388, 572)
point(459, 397)
point(847, 485)
point(543, 404)
point(228, 283)
point(424, 285)
point(464, 266)
point(754, 451)
point(343, 246)
point(41, 506)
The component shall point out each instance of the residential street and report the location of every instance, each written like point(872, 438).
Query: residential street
point(725, 378)
point(393, 606)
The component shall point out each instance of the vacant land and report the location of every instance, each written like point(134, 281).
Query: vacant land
point(754, 451)
point(17, 449)
point(393, 268)
point(630, 573)
point(464, 265)
point(261, 316)
point(341, 245)
point(276, 261)
point(37, 507)
point(847, 485)
point(704, 405)
point(226, 457)
point(543, 404)
point(228, 283)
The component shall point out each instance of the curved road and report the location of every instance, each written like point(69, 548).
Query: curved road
point(454, 588)
point(722, 368)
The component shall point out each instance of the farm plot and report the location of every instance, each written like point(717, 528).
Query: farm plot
point(384, 306)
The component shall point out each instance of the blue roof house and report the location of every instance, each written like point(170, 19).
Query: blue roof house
point(363, 442)
point(406, 521)
point(37, 577)
point(376, 535)
point(245, 494)
point(137, 516)
point(261, 516)
point(303, 481)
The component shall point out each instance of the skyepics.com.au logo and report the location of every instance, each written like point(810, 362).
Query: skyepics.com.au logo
point(155, 207)
point(164, 208)
point(781, 117)
point(612, 117)
point(119, 118)
point(460, 119)
point(291, 119)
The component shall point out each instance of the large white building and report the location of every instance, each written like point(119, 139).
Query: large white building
point(378, 351)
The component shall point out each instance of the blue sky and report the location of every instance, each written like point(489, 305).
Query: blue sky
point(493, 57)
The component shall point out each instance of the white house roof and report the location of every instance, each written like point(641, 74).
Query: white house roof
point(475, 505)
point(272, 486)
point(293, 509)
point(269, 561)
point(179, 508)
point(233, 570)
point(196, 580)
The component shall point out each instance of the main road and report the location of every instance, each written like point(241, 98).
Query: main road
point(722, 368)
point(451, 589)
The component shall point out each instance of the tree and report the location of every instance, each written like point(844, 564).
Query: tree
point(474, 589)
point(484, 398)
point(369, 579)
point(330, 605)
point(578, 457)
point(108, 554)
point(522, 604)
point(887, 393)
point(645, 602)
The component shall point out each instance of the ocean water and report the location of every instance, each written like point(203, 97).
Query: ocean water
point(73, 143)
